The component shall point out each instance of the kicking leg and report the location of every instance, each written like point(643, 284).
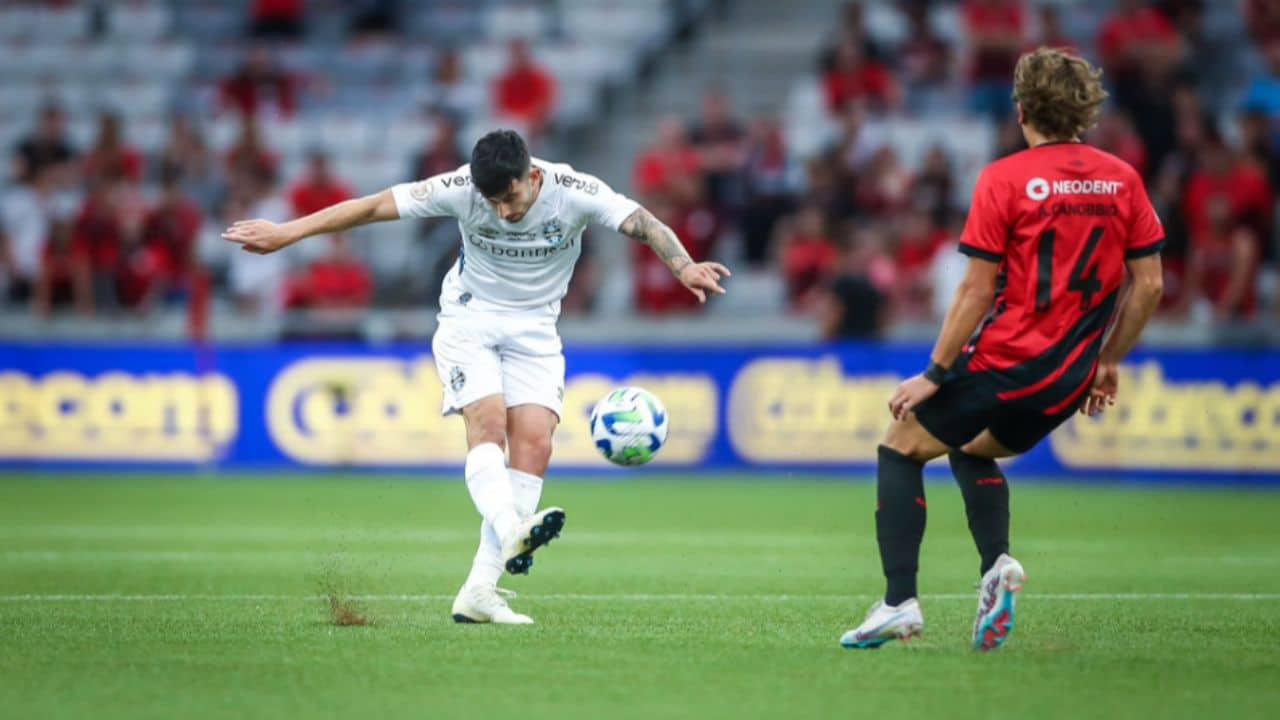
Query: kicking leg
point(529, 429)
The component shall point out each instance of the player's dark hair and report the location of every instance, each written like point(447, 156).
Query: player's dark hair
point(1060, 94)
point(496, 160)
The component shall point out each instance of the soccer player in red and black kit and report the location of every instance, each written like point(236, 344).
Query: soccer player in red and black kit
point(1036, 331)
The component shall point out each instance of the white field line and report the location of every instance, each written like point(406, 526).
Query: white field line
point(360, 536)
point(629, 597)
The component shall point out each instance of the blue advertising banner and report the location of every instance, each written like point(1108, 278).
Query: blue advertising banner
point(1194, 414)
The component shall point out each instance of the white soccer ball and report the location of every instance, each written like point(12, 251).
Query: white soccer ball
point(629, 426)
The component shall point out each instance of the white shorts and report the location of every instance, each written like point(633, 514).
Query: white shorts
point(480, 354)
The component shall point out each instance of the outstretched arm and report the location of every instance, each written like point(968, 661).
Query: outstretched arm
point(264, 236)
point(700, 278)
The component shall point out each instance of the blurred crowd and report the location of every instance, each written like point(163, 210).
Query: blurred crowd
point(857, 236)
point(109, 229)
point(863, 240)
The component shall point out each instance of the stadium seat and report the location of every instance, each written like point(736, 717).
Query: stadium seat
point(139, 20)
point(516, 20)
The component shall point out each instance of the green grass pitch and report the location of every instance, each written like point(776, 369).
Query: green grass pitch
point(162, 596)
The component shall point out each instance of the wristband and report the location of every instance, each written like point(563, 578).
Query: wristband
point(935, 373)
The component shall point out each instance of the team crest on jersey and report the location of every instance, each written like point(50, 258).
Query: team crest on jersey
point(457, 379)
point(553, 232)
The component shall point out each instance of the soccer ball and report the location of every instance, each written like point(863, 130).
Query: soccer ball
point(629, 426)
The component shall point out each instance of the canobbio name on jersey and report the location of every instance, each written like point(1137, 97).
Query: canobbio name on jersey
point(515, 252)
point(1039, 188)
point(1092, 209)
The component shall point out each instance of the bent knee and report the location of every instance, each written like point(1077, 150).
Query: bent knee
point(913, 450)
point(531, 452)
point(913, 442)
point(491, 429)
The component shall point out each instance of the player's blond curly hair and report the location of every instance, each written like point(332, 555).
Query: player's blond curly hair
point(1061, 94)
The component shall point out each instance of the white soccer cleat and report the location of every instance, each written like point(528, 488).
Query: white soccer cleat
point(532, 533)
point(996, 592)
point(486, 604)
point(884, 623)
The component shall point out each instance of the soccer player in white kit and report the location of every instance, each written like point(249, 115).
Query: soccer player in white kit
point(496, 347)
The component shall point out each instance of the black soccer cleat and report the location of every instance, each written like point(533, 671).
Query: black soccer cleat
point(538, 530)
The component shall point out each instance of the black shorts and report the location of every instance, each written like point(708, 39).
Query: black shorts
point(969, 402)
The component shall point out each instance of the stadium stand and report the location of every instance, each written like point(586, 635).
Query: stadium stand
point(376, 85)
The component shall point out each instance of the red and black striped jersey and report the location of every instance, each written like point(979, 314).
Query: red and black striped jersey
point(1061, 219)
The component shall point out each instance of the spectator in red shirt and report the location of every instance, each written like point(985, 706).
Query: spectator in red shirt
point(1222, 175)
point(854, 77)
point(171, 229)
point(884, 185)
point(110, 155)
point(1224, 265)
point(525, 92)
point(318, 189)
point(186, 153)
point(336, 280)
point(924, 59)
point(142, 274)
point(1052, 34)
point(1262, 19)
point(260, 85)
point(276, 18)
point(669, 156)
point(997, 33)
point(66, 277)
point(807, 254)
point(441, 155)
point(98, 233)
point(1125, 40)
point(692, 219)
point(1116, 135)
point(248, 155)
point(853, 28)
point(768, 188)
point(917, 243)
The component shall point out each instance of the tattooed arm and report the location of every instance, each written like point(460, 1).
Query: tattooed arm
point(700, 278)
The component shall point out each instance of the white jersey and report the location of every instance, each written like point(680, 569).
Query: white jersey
point(523, 266)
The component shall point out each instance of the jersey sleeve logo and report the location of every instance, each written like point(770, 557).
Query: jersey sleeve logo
point(1037, 189)
point(576, 183)
point(422, 190)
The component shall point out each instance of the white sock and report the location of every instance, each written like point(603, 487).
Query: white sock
point(487, 567)
point(526, 490)
point(490, 487)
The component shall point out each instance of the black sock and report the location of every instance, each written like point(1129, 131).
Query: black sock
point(900, 516)
point(986, 502)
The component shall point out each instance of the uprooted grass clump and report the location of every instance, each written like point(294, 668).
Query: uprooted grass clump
point(343, 609)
